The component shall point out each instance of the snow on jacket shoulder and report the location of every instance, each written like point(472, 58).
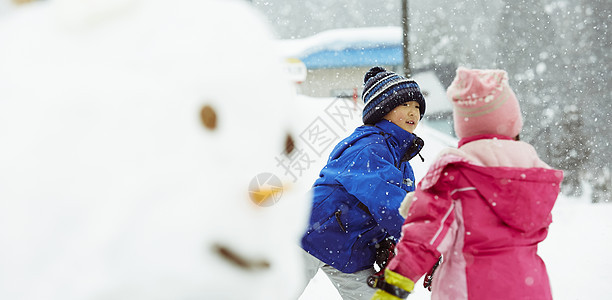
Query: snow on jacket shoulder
point(357, 196)
point(486, 214)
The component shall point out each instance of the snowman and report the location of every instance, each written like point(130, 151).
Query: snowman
point(139, 143)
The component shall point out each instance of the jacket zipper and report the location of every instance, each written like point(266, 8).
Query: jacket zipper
point(337, 214)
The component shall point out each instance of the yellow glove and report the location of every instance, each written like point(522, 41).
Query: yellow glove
point(382, 295)
point(397, 281)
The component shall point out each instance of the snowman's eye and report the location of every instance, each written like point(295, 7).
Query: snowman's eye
point(208, 117)
point(289, 144)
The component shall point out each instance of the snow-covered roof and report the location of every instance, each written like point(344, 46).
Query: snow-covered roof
point(348, 47)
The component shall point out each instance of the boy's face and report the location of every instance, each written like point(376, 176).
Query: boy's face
point(406, 116)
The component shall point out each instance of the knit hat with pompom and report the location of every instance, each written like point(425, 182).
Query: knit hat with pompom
point(383, 91)
point(484, 103)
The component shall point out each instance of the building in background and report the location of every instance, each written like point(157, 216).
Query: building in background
point(336, 61)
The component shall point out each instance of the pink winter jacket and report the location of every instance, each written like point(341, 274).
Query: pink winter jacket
point(485, 207)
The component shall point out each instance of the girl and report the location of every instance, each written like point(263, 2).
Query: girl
point(484, 206)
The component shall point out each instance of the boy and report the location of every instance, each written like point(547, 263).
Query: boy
point(358, 193)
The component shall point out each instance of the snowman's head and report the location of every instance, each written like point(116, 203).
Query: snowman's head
point(138, 144)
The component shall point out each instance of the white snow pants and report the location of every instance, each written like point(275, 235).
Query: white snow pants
point(351, 286)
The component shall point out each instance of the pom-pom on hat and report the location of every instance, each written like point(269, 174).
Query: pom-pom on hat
point(383, 91)
point(484, 103)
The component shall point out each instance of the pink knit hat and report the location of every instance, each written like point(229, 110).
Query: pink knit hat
point(483, 103)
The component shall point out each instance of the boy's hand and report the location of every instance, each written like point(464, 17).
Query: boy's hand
point(385, 251)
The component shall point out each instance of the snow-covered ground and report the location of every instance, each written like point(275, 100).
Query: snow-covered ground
point(574, 252)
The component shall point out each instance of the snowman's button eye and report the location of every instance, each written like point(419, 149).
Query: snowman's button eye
point(209, 117)
point(289, 144)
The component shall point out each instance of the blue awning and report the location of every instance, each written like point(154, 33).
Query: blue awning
point(362, 57)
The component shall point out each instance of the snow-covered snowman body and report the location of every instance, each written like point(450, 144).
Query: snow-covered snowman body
point(129, 134)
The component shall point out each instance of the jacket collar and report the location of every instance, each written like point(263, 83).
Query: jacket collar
point(469, 139)
point(400, 137)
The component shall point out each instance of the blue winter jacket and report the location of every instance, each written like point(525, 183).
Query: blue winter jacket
point(357, 196)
